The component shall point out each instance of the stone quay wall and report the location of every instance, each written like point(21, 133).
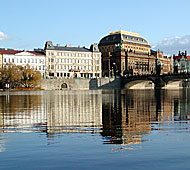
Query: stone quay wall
point(80, 84)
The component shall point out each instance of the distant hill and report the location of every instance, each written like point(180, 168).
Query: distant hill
point(172, 45)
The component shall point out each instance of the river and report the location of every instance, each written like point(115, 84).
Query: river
point(95, 129)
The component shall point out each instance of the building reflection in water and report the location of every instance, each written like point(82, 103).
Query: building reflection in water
point(122, 117)
point(74, 111)
point(127, 116)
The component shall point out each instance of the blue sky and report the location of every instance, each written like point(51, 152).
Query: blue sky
point(29, 24)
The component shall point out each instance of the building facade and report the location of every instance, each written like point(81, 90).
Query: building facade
point(69, 62)
point(163, 63)
point(127, 53)
point(181, 62)
point(34, 59)
point(1, 60)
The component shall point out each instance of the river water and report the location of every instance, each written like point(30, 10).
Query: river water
point(111, 129)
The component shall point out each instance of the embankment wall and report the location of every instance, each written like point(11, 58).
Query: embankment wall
point(80, 84)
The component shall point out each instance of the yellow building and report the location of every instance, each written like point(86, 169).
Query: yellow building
point(68, 62)
point(126, 53)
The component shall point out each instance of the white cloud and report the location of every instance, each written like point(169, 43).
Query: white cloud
point(3, 36)
point(171, 45)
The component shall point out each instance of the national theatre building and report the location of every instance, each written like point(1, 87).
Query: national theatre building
point(127, 53)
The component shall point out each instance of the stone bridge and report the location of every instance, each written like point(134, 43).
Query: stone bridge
point(159, 81)
point(152, 81)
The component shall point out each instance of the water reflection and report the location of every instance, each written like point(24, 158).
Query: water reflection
point(127, 116)
point(121, 117)
point(74, 111)
point(21, 110)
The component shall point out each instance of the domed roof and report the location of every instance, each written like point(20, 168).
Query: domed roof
point(118, 36)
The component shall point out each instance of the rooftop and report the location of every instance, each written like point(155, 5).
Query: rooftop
point(13, 52)
point(125, 32)
point(66, 48)
point(123, 36)
point(49, 46)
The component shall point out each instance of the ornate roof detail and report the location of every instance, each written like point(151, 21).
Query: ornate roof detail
point(123, 36)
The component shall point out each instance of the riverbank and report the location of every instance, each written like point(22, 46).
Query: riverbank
point(23, 89)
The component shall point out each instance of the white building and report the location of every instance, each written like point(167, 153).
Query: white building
point(68, 62)
point(36, 60)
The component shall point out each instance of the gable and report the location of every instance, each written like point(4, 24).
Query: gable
point(25, 53)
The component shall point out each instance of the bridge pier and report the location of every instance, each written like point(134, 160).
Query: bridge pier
point(158, 82)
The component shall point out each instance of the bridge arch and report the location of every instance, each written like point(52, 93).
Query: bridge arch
point(156, 81)
point(139, 84)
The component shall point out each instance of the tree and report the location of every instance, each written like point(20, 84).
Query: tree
point(30, 76)
point(10, 74)
point(18, 76)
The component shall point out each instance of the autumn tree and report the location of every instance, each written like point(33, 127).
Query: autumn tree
point(30, 76)
point(10, 74)
point(17, 76)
